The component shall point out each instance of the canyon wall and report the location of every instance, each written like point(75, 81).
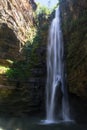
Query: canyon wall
point(74, 24)
point(16, 20)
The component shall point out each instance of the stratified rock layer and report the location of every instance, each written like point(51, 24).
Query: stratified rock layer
point(16, 20)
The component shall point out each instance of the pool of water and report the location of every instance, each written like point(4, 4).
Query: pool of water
point(37, 124)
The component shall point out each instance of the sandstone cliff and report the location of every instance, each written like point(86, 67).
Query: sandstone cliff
point(23, 91)
point(16, 20)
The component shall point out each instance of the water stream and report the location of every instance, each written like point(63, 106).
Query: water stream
point(57, 100)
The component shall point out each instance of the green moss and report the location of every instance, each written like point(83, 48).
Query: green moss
point(74, 24)
point(3, 69)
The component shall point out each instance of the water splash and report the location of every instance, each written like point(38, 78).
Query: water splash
point(56, 87)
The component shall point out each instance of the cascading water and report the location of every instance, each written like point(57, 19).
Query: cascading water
point(56, 74)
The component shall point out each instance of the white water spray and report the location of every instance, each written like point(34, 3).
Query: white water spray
point(56, 74)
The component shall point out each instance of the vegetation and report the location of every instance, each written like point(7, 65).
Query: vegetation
point(32, 50)
point(3, 69)
point(75, 34)
point(18, 72)
point(17, 95)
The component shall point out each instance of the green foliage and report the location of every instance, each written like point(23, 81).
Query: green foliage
point(37, 38)
point(3, 69)
point(31, 34)
point(18, 71)
point(42, 10)
point(30, 51)
point(41, 14)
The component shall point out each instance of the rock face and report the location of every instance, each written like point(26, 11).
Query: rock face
point(20, 95)
point(9, 44)
point(16, 19)
point(74, 24)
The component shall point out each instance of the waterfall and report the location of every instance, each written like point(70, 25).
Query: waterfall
point(56, 91)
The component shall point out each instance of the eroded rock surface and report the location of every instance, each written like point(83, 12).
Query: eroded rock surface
point(16, 20)
point(74, 23)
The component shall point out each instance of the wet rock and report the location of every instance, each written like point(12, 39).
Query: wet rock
point(74, 25)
